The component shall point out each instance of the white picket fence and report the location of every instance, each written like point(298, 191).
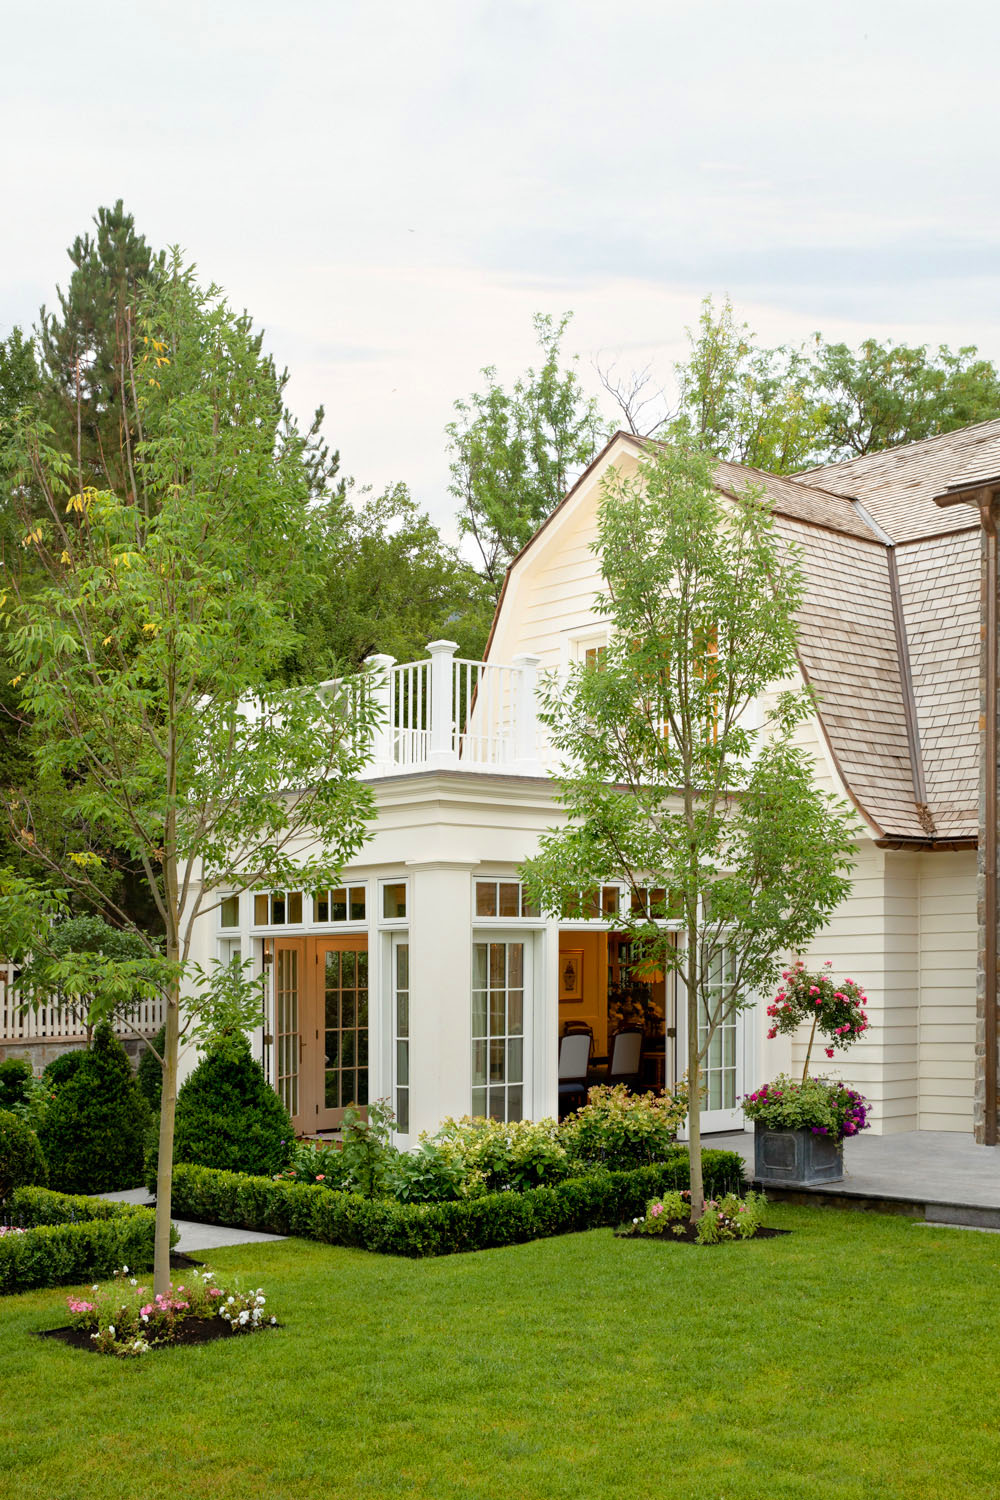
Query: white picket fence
point(58, 1023)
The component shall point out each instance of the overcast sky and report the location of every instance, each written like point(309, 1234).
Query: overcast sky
point(392, 189)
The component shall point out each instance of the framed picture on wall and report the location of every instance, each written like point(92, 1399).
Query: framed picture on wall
point(570, 973)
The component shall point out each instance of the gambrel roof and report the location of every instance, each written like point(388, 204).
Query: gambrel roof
point(889, 629)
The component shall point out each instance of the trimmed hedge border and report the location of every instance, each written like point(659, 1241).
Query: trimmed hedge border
point(599, 1199)
point(71, 1238)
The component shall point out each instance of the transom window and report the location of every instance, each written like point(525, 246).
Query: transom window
point(503, 898)
point(600, 904)
point(656, 903)
point(394, 900)
point(498, 1030)
point(345, 903)
point(229, 911)
point(277, 908)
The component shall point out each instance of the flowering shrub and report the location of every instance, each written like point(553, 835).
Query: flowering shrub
point(728, 1218)
point(317, 1161)
point(126, 1319)
point(835, 1011)
point(506, 1156)
point(620, 1130)
point(823, 1105)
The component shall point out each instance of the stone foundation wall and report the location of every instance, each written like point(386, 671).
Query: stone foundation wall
point(41, 1052)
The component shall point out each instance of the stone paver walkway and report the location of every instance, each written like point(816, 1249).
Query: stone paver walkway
point(940, 1169)
point(193, 1236)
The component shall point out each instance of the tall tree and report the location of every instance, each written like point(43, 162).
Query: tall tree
point(516, 453)
point(144, 656)
point(745, 403)
point(666, 786)
point(84, 346)
point(388, 583)
point(879, 395)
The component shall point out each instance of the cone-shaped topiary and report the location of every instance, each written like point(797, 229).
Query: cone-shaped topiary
point(21, 1161)
point(229, 1117)
point(94, 1130)
point(149, 1074)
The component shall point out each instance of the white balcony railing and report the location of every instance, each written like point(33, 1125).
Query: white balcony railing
point(450, 713)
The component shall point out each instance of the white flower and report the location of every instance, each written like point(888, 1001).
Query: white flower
point(124, 1270)
point(244, 1315)
point(132, 1281)
point(94, 1288)
point(111, 1329)
point(274, 1320)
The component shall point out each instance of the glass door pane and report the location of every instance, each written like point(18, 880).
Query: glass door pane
point(286, 1028)
point(498, 1030)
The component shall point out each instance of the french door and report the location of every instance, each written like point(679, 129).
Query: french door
point(321, 1028)
point(723, 1071)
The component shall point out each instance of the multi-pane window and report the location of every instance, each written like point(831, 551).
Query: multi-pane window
point(600, 904)
point(719, 1067)
point(594, 658)
point(277, 908)
point(498, 1030)
point(229, 911)
point(345, 984)
point(657, 903)
point(394, 900)
point(503, 898)
point(401, 1025)
point(344, 903)
point(286, 1028)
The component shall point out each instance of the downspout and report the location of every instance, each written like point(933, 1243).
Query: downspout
point(991, 914)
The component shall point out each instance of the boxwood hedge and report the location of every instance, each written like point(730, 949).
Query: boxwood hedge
point(71, 1239)
point(416, 1229)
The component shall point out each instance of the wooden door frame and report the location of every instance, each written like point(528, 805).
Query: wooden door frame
point(312, 1080)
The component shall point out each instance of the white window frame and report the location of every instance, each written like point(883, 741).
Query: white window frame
point(277, 927)
point(392, 923)
point(348, 923)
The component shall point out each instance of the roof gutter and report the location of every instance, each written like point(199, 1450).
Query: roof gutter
point(986, 497)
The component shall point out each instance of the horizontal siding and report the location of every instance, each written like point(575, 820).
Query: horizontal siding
point(948, 938)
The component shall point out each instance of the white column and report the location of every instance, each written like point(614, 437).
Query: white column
point(442, 752)
point(526, 757)
point(440, 994)
point(383, 756)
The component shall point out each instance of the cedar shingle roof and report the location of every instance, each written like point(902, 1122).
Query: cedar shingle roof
point(897, 487)
point(859, 657)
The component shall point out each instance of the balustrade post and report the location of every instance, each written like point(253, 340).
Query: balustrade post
point(526, 757)
point(383, 730)
point(443, 751)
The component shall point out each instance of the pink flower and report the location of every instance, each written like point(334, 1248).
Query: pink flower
point(828, 1051)
point(813, 990)
point(145, 1311)
point(320, 1176)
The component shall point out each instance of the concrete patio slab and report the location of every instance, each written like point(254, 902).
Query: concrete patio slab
point(939, 1175)
point(194, 1236)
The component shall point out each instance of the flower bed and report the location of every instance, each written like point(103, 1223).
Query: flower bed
point(67, 1238)
point(728, 1218)
point(594, 1199)
point(125, 1319)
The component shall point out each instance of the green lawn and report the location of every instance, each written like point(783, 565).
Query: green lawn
point(857, 1358)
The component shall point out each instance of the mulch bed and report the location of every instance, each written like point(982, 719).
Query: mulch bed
point(690, 1235)
point(186, 1331)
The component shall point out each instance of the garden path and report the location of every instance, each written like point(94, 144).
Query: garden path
point(195, 1236)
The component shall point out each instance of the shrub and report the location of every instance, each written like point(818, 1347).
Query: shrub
point(149, 1074)
point(15, 1078)
point(316, 1161)
point(62, 1068)
point(501, 1155)
point(93, 1130)
point(620, 1130)
point(21, 1159)
point(228, 1117)
point(436, 1172)
point(418, 1229)
point(72, 1239)
point(730, 1217)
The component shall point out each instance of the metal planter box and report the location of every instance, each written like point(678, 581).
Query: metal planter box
point(796, 1158)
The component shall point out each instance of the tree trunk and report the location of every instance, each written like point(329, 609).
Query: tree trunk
point(164, 1164)
point(694, 1081)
